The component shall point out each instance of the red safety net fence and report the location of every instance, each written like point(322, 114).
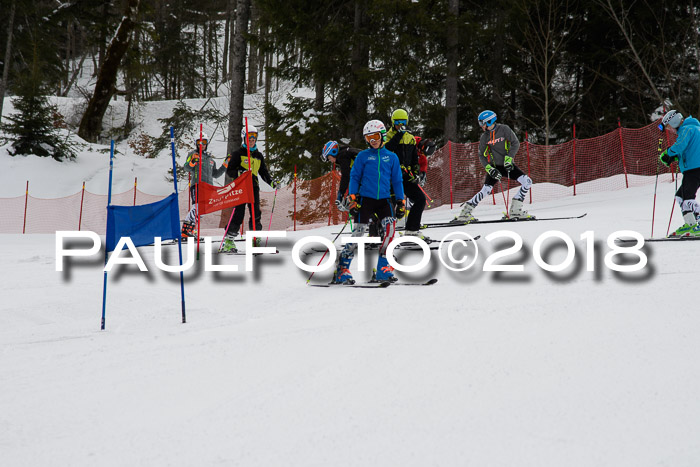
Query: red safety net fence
point(617, 160)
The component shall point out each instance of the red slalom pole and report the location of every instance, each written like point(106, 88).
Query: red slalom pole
point(199, 183)
point(135, 182)
point(295, 197)
point(527, 150)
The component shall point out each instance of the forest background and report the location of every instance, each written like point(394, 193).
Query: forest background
point(542, 65)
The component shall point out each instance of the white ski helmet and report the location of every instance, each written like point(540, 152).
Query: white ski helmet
point(373, 126)
point(203, 137)
point(672, 119)
point(252, 131)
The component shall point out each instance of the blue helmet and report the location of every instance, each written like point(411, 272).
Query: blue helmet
point(329, 149)
point(487, 117)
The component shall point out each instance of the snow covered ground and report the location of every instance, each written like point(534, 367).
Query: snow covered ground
point(573, 368)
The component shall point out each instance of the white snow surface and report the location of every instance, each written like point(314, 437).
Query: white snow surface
point(519, 369)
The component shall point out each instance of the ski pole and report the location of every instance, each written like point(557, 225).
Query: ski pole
point(656, 184)
point(673, 206)
point(327, 250)
point(500, 183)
point(271, 211)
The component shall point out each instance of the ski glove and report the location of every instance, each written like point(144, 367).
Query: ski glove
point(493, 172)
point(342, 204)
point(274, 184)
point(666, 159)
point(422, 177)
point(400, 208)
point(508, 163)
point(352, 203)
point(194, 160)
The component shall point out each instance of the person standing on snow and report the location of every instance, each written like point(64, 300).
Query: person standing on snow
point(343, 156)
point(209, 173)
point(374, 175)
point(403, 144)
point(497, 149)
point(686, 150)
point(238, 165)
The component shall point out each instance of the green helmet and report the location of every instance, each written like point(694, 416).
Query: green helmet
point(399, 114)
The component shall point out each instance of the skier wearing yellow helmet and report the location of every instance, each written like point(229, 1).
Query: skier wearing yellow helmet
point(401, 142)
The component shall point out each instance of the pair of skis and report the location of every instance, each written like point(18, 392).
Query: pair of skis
point(375, 285)
point(498, 221)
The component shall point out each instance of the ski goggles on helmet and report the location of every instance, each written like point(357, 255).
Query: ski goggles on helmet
point(401, 122)
point(252, 135)
point(373, 137)
point(203, 141)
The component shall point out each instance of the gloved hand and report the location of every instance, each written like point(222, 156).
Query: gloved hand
point(353, 203)
point(493, 172)
point(666, 159)
point(194, 160)
point(422, 177)
point(227, 160)
point(508, 163)
point(342, 204)
point(274, 184)
point(400, 209)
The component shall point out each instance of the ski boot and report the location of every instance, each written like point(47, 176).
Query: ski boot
point(342, 272)
point(686, 229)
point(695, 231)
point(517, 211)
point(228, 246)
point(465, 217)
point(188, 230)
point(384, 271)
point(419, 234)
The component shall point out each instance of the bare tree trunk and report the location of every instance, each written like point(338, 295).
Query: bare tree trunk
point(252, 58)
point(238, 62)
point(91, 123)
point(8, 56)
point(451, 93)
point(319, 88)
point(359, 64)
point(224, 69)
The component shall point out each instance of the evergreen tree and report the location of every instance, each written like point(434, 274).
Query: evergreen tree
point(32, 127)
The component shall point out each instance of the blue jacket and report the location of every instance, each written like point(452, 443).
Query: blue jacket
point(687, 146)
point(374, 174)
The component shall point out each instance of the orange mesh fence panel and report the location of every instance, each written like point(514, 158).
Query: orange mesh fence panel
point(599, 167)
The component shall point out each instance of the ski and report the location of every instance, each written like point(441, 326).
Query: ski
point(242, 253)
point(400, 247)
point(428, 282)
point(377, 285)
point(434, 247)
point(661, 239)
point(498, 221)
point(492, 221)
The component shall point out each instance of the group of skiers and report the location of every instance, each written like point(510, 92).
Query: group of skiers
point(383, 184)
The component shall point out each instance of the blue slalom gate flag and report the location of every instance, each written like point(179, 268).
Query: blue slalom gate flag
point(143, 223)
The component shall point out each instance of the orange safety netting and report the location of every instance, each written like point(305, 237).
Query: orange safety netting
point(454, 175)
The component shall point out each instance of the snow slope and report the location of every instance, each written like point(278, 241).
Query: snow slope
point(575, 368)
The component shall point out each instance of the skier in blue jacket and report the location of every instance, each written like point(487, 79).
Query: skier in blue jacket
point(686, 151)
point(374, 175)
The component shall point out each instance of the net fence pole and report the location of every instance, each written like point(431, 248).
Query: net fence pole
point(26, 201)
point(622, 151)
point(82, 197)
